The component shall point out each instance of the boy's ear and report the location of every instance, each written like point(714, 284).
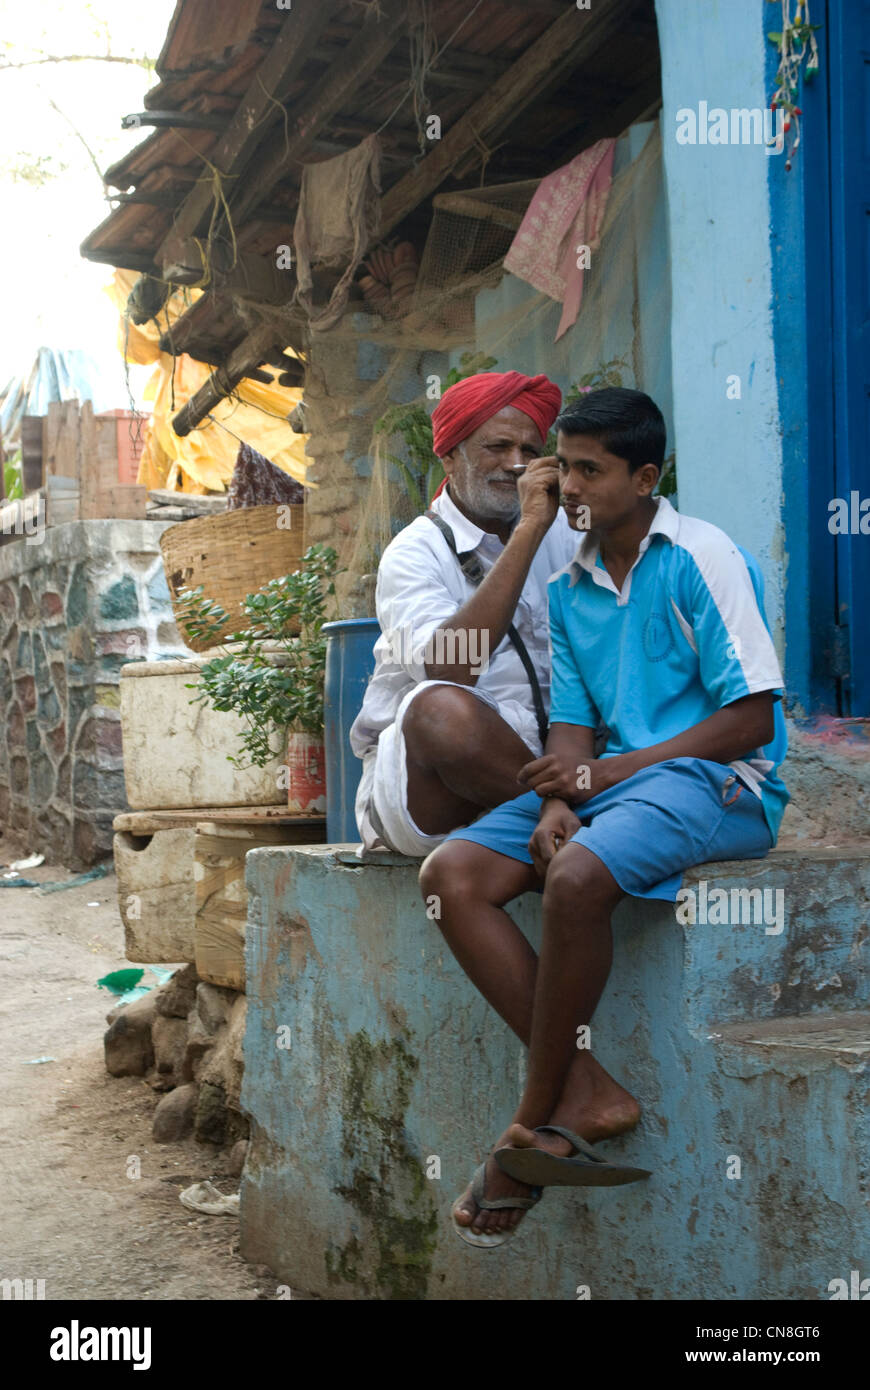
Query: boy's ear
point(646, 478)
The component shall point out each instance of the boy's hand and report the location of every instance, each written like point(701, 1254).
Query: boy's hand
point(554, 775)
point(554, 829)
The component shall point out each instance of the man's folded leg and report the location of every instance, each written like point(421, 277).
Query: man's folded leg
point(447, 756)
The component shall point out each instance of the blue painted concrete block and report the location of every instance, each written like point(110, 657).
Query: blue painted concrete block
point(746, 1046)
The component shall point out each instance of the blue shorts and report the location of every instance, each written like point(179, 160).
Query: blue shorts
point(647, 829)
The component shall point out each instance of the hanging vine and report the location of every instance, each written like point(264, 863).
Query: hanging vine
point(796, 42)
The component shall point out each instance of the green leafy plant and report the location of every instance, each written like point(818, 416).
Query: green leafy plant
point(421, 472)
point(13, 485)
point(605, 374)
point(667, 485)
point(274, 680)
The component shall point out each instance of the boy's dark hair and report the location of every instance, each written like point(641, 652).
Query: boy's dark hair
point(628, 423)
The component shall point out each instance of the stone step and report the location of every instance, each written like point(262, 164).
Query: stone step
point(800, 1044)
point(794, 938)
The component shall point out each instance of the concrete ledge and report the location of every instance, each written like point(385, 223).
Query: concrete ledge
point(396, 1070)
point(74, 540)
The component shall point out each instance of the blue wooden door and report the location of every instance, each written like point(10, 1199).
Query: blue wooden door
point(846, 37)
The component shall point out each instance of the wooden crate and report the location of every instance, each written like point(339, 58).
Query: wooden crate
point(156, 893)
point(221, 896)
point(80, 467)
point(160, 888)
point(31, 453)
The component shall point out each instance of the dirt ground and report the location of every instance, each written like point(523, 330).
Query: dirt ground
point(70, 1214)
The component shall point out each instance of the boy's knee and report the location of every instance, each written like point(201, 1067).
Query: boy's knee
point(577, 880)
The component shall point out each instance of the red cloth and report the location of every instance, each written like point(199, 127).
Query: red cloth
point(470, 403)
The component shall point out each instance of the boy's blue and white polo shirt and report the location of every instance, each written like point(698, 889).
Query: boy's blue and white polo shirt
point(686, 635)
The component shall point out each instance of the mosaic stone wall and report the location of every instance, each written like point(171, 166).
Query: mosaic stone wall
point(73, 609)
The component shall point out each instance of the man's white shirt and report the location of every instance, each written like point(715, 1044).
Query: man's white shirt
point(420, 586)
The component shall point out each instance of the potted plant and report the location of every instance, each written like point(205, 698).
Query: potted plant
point(274, 676)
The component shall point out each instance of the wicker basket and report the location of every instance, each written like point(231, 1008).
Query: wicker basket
point(231, 556)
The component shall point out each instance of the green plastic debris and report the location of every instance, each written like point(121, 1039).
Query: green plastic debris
point(129, 995)
point(125, 983)
point(121, 981)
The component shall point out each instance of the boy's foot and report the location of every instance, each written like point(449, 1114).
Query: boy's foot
point(499, 1184)
point(530, 1156)
point(598, 1117)
point(602, 1112)
point(593, 1104)
point(496, 1184)
point(617, 1116)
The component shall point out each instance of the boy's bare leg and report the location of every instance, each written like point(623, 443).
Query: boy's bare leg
point(573, 968)
point(473, 884)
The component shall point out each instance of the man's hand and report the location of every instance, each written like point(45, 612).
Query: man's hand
point(556, 775)
point(554, 829)
point(538, 491)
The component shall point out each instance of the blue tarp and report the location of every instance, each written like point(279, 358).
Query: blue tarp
point(57, 374)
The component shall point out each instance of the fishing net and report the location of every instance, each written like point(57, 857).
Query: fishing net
point(466, 313)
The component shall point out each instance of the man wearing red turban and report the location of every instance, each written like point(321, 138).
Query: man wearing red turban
point(471, 403)
point(458, 699)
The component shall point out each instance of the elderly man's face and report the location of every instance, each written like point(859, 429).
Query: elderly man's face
point(480, 469)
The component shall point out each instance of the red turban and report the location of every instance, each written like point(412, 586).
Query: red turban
point(470, 403)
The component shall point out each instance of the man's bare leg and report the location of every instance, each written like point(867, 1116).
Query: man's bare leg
point(462, 758)
point(473, 884)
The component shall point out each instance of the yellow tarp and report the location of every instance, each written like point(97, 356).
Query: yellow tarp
point(203, 461)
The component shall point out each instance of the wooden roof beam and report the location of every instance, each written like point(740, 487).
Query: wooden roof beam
point(244, 274)
point(257, 110)
point(457, 67)
point(123, 258)
point(360, 59)
point(241, 363)
point(575, 36)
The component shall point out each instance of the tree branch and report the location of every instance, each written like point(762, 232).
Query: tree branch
point(80, 58)
point(75, 130)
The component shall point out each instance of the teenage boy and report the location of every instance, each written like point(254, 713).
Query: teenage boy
point(657, 629)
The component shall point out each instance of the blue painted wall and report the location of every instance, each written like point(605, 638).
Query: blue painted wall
point(730, 453)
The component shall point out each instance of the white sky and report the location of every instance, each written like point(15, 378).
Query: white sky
point(50, 296)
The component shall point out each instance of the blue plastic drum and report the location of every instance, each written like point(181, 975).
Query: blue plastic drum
point(349, 663)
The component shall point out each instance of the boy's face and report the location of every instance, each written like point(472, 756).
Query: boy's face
point(592, 478)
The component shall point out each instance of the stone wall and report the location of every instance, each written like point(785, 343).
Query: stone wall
point(73, 608)
point(185, 1040)
point(351, 381)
